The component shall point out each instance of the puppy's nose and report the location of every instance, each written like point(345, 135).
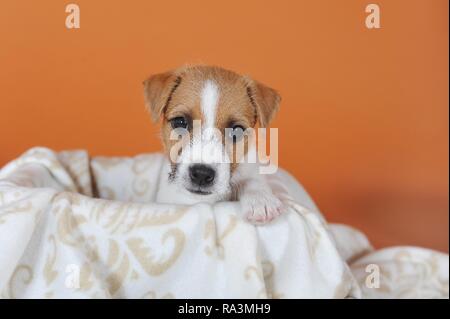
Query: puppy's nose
point(202, 175)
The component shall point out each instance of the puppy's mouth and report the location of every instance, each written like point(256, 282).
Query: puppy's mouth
point(198, 191)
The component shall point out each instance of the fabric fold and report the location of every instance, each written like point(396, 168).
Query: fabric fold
point(58, 241)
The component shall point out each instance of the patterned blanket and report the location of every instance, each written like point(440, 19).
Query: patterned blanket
point(76, 227)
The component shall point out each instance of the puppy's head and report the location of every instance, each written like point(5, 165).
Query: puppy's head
point(208, 115)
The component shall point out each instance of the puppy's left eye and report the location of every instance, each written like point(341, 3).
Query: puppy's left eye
point(179, 122)
point(236, 133)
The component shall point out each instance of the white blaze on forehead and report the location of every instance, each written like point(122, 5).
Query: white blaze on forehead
point(208, 103)
point(206, 142)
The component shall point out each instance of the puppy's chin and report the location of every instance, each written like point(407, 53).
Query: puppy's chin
point(199, 191)
point(192, 197)
point(213, 194)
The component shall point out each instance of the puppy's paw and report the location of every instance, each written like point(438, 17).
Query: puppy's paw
point(261, 208)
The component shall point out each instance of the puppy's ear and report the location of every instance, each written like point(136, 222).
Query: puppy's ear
point(266, 101)
point(158, 90)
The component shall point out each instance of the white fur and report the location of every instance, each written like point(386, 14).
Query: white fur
point(209, 99)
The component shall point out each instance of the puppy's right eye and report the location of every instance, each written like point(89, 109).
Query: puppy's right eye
point(179, 122)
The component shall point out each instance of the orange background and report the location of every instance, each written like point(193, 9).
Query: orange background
point(364, 116)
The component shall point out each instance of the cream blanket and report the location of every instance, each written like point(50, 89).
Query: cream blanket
point(75, 227)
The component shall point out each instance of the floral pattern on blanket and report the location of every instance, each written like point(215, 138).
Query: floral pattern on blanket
point(75, 227)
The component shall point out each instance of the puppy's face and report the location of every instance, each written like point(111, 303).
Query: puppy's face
point(208, 114)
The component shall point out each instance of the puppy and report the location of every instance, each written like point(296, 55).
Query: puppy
point(206, 112)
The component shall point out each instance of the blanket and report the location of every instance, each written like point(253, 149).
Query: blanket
point(72, 226)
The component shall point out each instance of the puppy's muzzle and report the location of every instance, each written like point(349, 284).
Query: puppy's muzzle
point(202, 175)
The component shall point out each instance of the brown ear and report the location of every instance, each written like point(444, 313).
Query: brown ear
point(266, 101)
point(158, 90)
